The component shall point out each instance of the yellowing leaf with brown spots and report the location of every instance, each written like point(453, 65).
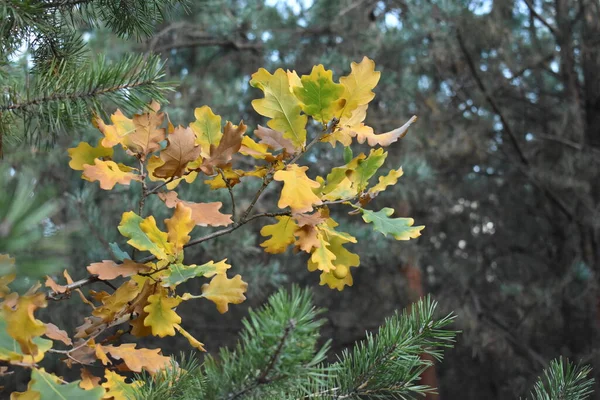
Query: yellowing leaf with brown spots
point(224, 291)
point(282, 235)
point(297, 189)
point(108, 173)
point(148, 134)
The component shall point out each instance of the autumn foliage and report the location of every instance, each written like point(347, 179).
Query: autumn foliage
point(162, 157)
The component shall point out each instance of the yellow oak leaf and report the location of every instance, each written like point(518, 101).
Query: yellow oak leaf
point(358, 85)
point(161, 317)
point(147, 135)
point(114, 134)
point(282, 235)
point(388, 180)
point(224, 291)
point(108, 173)
point(193, 341)
point(322, 258)
point(222, 154)
point(293, 80)
point(181, 150)
point(88, 381)
point(179, 226)
point(84, 154)
point(108, 269)
point(207, 128)
point(118, 302)
point(115, 386)
point(203, 214)
point(349, 126)
point(137, 360)
point(22, 325)
point(101, 355)
point(280, 105)
point(297, 189)
point(344, 260)
point(255, 150)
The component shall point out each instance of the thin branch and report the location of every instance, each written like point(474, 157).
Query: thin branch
point(540, 18)
point(230, 189)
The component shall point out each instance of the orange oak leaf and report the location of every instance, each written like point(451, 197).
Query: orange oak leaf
point(51, 283)
point(147, 135)
point(108, 269)
point(203, 214)
point(229, 145)
point(137, 360)
point(307, 238)
point(115, 133)
point(108, 173)
point(181, 149)
point(53, 332)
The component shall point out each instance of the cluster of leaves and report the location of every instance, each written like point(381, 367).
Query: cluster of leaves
point(164, 157)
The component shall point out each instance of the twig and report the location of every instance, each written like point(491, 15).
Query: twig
point(230, 189)
point(540, 18)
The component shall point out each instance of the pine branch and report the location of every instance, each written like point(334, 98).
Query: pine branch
point(563, 380)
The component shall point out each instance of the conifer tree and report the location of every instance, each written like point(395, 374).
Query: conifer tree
point(59, 84)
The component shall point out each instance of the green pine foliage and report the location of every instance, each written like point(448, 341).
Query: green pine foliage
point(278, 357)
point(59, 84)
point(563, 380)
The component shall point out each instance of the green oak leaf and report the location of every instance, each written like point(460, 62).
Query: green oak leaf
point(399, 228)
point(179, 273)
point(49, 389)
point(319, 94)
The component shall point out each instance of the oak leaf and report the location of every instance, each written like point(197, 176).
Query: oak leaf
point(363, 133)
point(203, 214)
point(207, 128)
point(108, 173)
point(161, 317)
point(320, 96)
point(322, 258)
point(344, 260)
point(179, 273)
point(280, 105)
point(50, 387)
point(108, 269)
point(115, 386)
point(144, 235)
point(224, 291)
point(84, 154)
point(307, 238)
point(192, 340)
point(21, 322)
point(398, 228)
point(137, 360)
point(181, 150)
point(297, 189)
point(358, 85)
point(114, 134)
point(274, 140)
point(53, 332)
point(282, 235)
point(88, 381)
point(230, 144)
point(388, 180)
point(255, 150)
point(179, 226)
point(147, 135)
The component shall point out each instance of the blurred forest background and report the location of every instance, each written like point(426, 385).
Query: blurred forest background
point(502, 167)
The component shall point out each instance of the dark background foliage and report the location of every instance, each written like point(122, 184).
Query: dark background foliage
point(502, 168)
